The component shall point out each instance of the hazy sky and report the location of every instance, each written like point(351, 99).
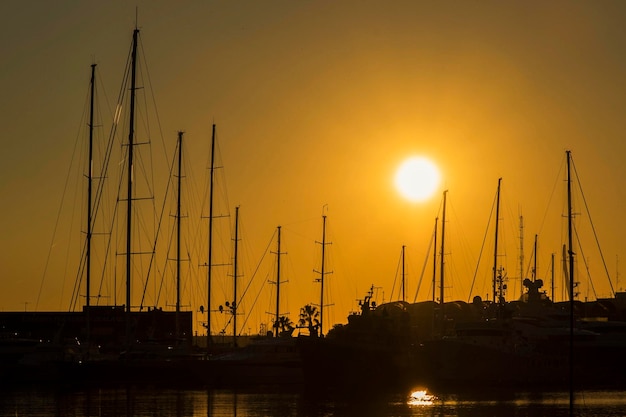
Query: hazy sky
point(316, 105)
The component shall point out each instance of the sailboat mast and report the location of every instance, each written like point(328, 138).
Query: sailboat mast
point(565, 273)
point(571, 282)
point(210, 254)
point(441, 270)
point(89, 187)
point(403, 277)
point(552, 277)
point(435, 260)
point(131, 137)
point(234, 305)
point(277, 284)
point(322, 276)
point(521, 253)
point(178, 217)
point(569, 233)
point(535, 260)
point(495, 250)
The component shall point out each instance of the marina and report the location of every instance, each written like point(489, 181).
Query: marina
point(169, 305)
point(388, 347)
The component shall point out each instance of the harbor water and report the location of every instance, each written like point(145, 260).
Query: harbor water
point(282, 402)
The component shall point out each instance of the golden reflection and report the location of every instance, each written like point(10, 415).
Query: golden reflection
point(421, 397)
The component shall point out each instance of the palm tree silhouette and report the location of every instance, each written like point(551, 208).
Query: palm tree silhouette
point(285, 325)
point(309, 319)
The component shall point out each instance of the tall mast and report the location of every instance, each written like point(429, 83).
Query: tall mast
point(552, 277)
point(521, 253)
point(234, 305)
point(210, 254)
point(178, 217)
point(403, 281)
point(569, 233)
point(277, 284)
point(441, 281)
point(571, 282)
point(89, 187)
point(322, 273)
point(565, 273)
point(322, 276)
point(435, 260)
point(535, 260)
point(495, 250)
point(131, 137)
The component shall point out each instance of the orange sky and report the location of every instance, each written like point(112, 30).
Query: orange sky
point(316, 104)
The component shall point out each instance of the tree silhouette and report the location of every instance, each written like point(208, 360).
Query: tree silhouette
point(309, 319)
point(285, 325)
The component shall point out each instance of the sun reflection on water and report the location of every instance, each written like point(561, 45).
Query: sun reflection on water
point(420, 398)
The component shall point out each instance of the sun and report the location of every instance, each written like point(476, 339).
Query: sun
point(417, 178)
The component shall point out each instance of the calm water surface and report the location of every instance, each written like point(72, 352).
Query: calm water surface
point(277, 402)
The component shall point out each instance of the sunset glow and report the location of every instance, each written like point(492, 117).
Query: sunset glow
point(358, 111)
point(417, 179)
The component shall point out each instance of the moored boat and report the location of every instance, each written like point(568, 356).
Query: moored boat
point(528, 348)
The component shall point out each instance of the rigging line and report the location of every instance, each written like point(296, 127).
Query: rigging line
point(78, 278)
point(228, 322)
point(193, 234)
point(582, 256)
point(531, 261)
point(110, 239)
point(76, 289)
point(103, 144)
point(83, 260)
point(56, 224)
point(153, 97)
point(467, 258)
point(170, 240)
point(482, 246)
point(224, 189)
point(595, 235)
point(310, 219)
point(552, 193)
point(257, 267)
point(165, 261)
point(426, 261)
point(105, 165)
point(243, 325)
point(150, 184)
point(298, 234)
point(140, 166)
point(192, 191)
point(207, 178)
point(267, 250)
point(79, 275)
point(100, 83)
point(152, 258)
point(430, 246)
point(509, 229)
point(70, 234)
point(395, 277)
point(109, 149)
point(74, 298)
